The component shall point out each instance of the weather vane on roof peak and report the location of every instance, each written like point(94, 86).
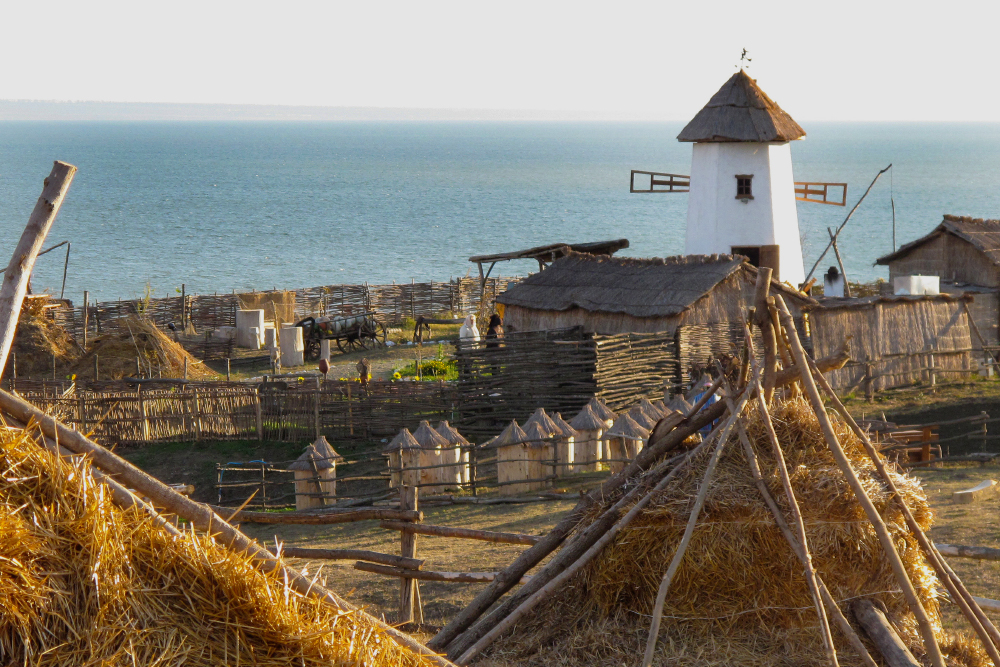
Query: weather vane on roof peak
point(744, 61)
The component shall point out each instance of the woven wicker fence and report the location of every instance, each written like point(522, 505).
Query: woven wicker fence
point(395, 303)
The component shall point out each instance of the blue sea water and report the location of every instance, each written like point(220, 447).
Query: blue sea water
point(221, 206)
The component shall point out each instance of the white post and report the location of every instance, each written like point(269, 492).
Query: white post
point(18, 274)
point(324, 349)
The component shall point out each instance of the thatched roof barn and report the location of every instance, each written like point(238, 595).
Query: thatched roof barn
point(959, 250)
point(610, 295)
point(741, 111)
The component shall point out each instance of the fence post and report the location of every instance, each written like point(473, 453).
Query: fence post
point(260, 417)
point(142, 414)
point(263, 486)
point(197, 417)
point(408, 500)
point(931, 370)
point(473, 468)
point(82, 408)
point(86, 317)
point(869, 389)
point(316, 406)
point(183, 308)
point(350, 409)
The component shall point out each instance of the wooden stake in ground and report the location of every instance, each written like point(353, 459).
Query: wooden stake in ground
point(761, 316)
point(18, 273)
point(809, 386)
point(408, 499)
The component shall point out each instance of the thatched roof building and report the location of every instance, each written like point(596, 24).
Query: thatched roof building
point(959, 250)
point(741, 111)
point(610, 295)
point(965, 253)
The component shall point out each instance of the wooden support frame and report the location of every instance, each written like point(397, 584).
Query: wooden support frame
point(805, 190)
point(673, 182)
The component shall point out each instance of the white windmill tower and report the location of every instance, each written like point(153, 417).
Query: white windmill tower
point(742, 192)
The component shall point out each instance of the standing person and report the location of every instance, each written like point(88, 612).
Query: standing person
point(494, 332)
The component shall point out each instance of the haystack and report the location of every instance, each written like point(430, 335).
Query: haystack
point(159, 355)
point(83, 582)
point(38, 339)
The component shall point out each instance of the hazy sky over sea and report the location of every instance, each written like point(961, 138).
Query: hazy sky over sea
point(855, 60)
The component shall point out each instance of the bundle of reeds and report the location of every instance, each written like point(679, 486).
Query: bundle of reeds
point(134, 338)
point(83, 582)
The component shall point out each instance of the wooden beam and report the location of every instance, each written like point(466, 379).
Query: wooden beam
point(882, 634)
point(22, 262)
point(318, 518)
point(963, 551)
point(465, 533)
point(352, 554)
point(430, 575)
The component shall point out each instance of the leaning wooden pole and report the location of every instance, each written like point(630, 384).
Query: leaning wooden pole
point(201, 516)
point(18, 273)
point(699, 502)
point(888, 546)
point(762, 319)
point(981, 624)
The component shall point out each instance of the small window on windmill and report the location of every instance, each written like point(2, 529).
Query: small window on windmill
point(744, 187)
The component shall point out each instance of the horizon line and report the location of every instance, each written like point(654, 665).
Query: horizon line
point(97, 110)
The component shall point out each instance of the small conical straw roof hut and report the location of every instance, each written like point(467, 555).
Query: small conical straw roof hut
point(544, 421)
point(651, 409)
point(642, 418)
point(601, 409)
point(321, 462)
point(403, 440)
point(451, 434)
point(512, 435)
point(536, 435)
point(428, 438)
point(627, 427)
point(565, 430)
point(326, 450)
point(587, 420)
point(680, 404)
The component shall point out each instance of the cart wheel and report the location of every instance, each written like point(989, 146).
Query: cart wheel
point(343, 345)
point(312, 349)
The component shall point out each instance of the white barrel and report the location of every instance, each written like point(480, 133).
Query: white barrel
point(270, 338)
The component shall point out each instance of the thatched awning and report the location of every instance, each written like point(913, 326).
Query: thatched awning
point(983, 234)
point(836, 302)
point(741, 111)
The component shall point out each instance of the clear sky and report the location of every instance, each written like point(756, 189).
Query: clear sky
point(661, 60)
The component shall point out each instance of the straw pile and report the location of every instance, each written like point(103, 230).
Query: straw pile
point(740, 595)
point(159, 355)
point(38, 338)
point(85, 583)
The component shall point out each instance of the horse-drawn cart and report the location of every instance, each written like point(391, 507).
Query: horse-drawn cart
point(351, 332)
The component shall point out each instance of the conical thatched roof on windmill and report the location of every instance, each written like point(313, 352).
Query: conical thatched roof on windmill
point(741, 111)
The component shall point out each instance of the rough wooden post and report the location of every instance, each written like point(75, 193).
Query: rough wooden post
point(86, 317)
point(142, 414)
point(869, 380)
point(18, 274)
point(931, 369)
point(258, 414)
point(763, 320)
point(408, 500)
point(350, 410)
point(197, 416)
point(316, 398)
point(183, 308)
point(81, 407)
point(95, 368)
